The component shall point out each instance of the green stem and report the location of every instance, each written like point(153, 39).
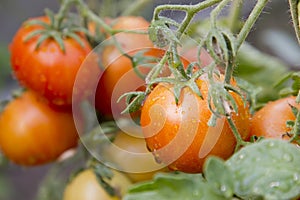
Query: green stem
point(214, 14)
point(190, 11)
point(235, 14)
point(154, 73)
point(295, 12)
point(229, 70)
point(250, 22)
point(239, 141)
point(63, 11)
point(136, 7)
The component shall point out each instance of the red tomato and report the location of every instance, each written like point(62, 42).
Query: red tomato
point(270, 121)
point(47, 70)
point(32, 133)
point(178, 134)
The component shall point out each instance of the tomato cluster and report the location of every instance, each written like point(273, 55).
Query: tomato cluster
point(37, 126)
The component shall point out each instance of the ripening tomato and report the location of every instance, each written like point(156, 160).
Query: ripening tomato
point(47, 70)
point(119, 76)
point(270, 121)
point(178, 134)
point(129, 153)
point(85, 186)
point(33, 133)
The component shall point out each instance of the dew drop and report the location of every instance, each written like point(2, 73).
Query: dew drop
point(156, 157)
point(241, 156)
point(58, 102)
point(271, 144)
point(43, 78)
point(287, 157)
point(296, 177)
point(274, 184)
point(223, 188)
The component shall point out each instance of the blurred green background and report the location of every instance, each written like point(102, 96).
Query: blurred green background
point(272, 34)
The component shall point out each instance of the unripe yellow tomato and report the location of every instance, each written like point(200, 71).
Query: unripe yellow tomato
point(85, 186)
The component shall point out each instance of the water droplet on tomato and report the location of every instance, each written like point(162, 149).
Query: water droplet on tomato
point(58, 102)
point(156, 157)
point(43, 78)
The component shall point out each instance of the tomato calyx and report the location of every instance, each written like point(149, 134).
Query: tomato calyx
point(57, 27)
point(103, 174)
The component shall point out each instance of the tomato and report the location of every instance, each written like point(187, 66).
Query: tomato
point(85, 186)
point(132, 156)
point(117, 79)
point(47, 70)
point(270, 121)
point(118, 66)
point(178, 134)
point(33, 133)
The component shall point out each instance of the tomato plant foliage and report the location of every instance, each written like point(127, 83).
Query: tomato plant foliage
point(226, 86)
point(274, 173)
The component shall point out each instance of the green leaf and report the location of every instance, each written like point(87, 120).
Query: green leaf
point(173, 186)
point(267, 169)
point(219, 176)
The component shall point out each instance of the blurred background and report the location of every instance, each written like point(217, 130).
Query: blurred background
point(272, 34)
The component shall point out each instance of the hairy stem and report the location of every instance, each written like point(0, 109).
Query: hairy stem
point(63, 11)
point(260, 5)
point(235, 14)
point(295, 12)
point(136, 7)
point(215, 13)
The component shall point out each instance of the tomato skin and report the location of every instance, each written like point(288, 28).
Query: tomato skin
point(86, 187)
point(33, 133)
point(270, 121)
point(47, 70)
point(178, 135)
point(128, 160)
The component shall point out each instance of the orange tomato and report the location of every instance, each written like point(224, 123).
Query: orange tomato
point(270, 121)
point(178, 134)
point(33, 133)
